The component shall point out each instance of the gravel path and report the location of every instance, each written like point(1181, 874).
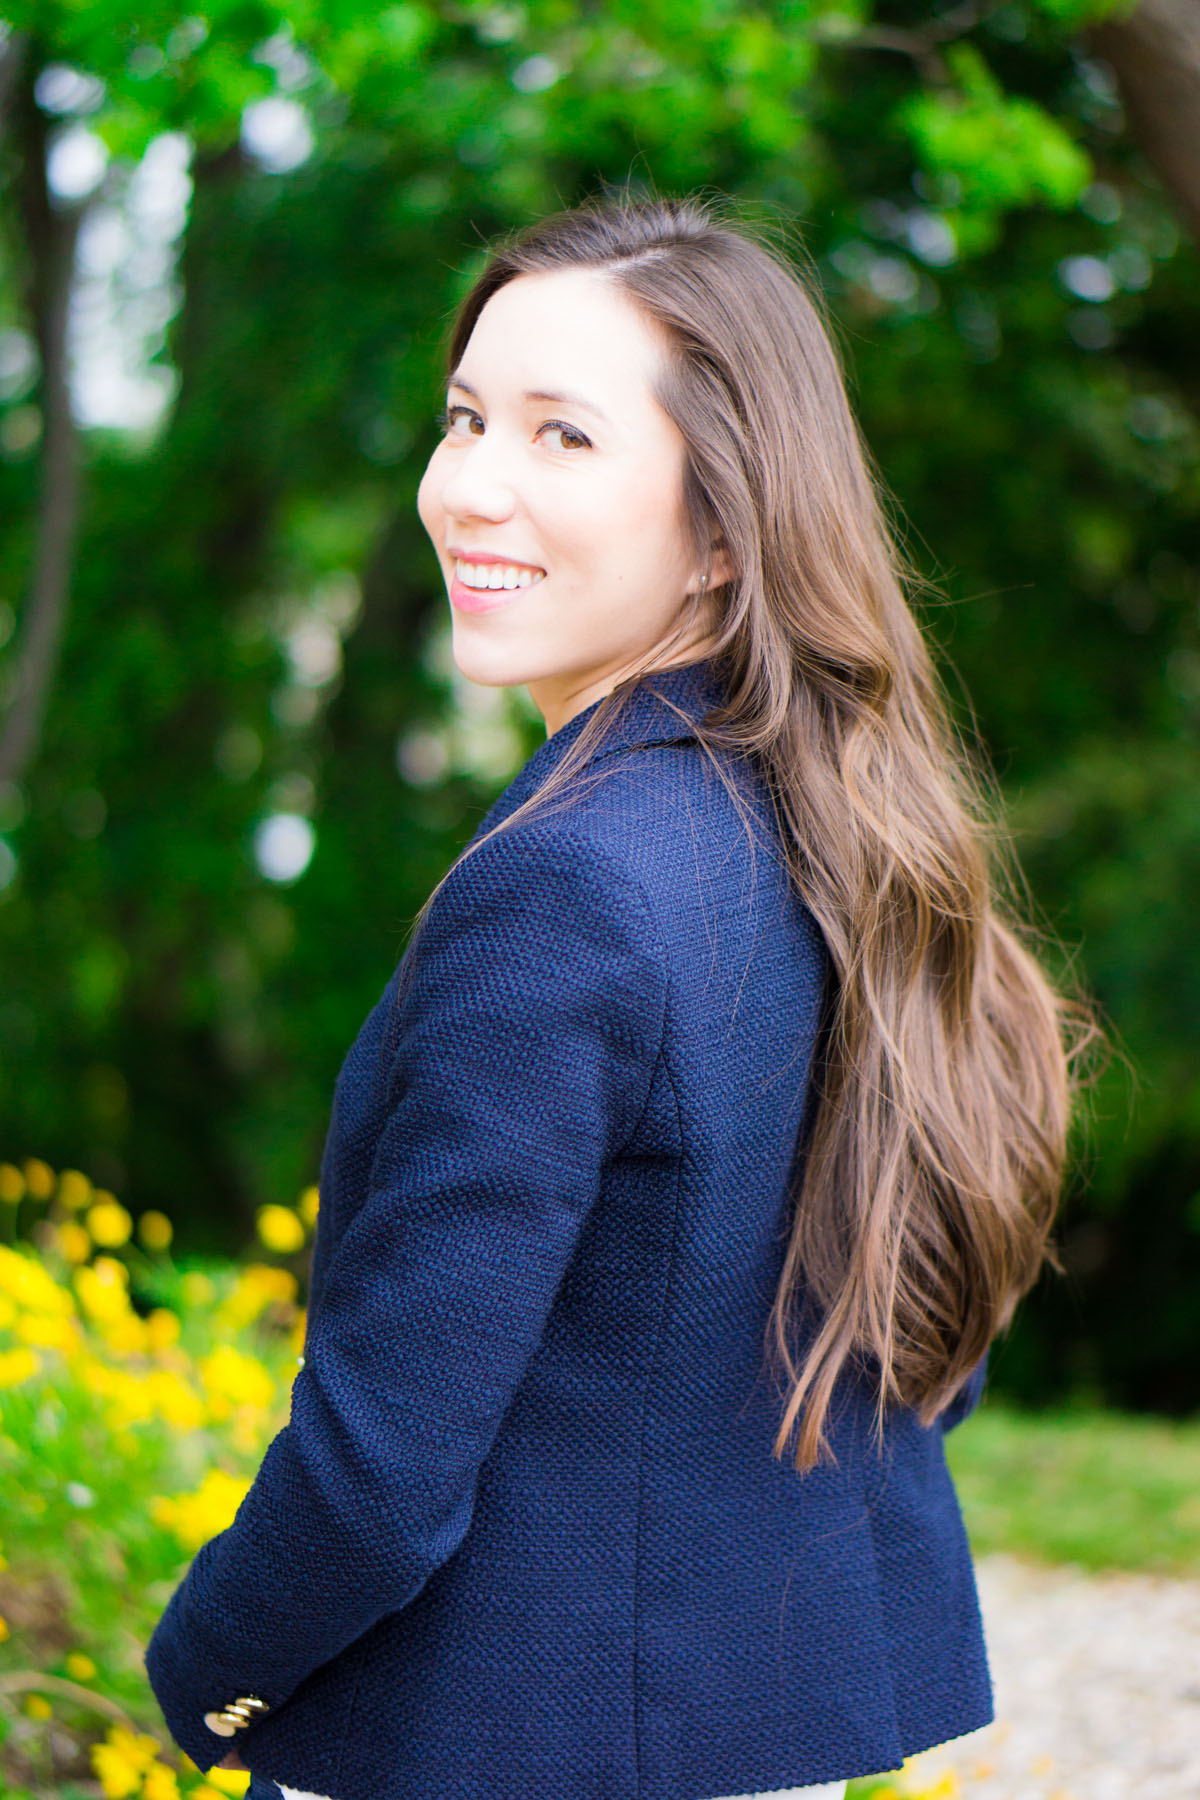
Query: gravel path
point(1097, 1684)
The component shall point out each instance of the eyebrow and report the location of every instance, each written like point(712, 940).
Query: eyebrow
point(555, 399)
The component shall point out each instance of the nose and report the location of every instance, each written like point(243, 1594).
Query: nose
point(480, 484)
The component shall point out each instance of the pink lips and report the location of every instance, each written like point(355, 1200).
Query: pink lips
point(478, 600)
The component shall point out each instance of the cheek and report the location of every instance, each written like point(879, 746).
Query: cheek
point(648, 531)
point(619, 518)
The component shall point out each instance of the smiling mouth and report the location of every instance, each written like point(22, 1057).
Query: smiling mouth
point(484, 577)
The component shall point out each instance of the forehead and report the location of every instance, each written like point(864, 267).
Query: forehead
point(570, 328)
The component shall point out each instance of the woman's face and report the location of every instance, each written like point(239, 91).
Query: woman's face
point(560, 472)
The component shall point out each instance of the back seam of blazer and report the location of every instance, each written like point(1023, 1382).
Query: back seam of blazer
point(348, 1722)
point(877, 1586)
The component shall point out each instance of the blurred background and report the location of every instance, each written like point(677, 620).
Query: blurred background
point(235, 755)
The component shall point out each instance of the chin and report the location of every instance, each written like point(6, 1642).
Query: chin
point(487, 664)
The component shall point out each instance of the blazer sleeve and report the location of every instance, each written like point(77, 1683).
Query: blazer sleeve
point(528, 1031)
point(967, 1397)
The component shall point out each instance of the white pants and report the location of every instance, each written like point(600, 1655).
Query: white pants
point(829, 1790)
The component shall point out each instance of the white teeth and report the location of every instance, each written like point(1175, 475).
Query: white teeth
point(496, 575)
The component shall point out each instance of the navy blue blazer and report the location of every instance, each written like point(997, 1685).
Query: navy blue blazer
point(524, 1537)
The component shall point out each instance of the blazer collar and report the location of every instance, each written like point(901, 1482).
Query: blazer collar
point(646, 717)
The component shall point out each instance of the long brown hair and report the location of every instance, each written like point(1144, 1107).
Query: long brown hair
point(948, 1080)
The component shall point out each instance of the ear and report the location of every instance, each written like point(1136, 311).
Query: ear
point(720, 569)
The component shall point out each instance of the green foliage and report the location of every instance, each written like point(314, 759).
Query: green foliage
point(1001, 151)
point(137, 1397)
point(160, 70)
point(1017, 313)
point(1075, 14)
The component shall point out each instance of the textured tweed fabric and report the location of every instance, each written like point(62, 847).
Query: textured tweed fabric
point(523, 1537)
point(829, 1790)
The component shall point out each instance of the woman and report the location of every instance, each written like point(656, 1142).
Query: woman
point(710, 1129)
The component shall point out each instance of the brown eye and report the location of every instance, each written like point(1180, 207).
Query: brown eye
point(578, 441)
point(451, 418)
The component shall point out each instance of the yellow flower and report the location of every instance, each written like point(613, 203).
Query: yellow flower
point(74, 1189)
point(194, 1518)
point(4, 1631)
point(279, 1229)
point(257, 1285)
point(38, 1707)
point(174, 1401)
point(74, 1242)
point(12, 1183)
point(308, 1205)
point(30, 1285)
point(275, 1284)
point(206, 1791)
point(8, 1312)
point(95, 1377)
point(109, 1223)
point(102, 1289)
point(162, 1328)
point(135, 1398)
point(116, 1774)
point(231, 1379)
point(53, 1334)
point(39, 1178)
point(80, 1667)
point(126, 1335)
point(247, 1431)
point(155, 1230)
point(138, 1746)
point(162, 1783)
point(130, 1402)
point(17, 1366)
point(123, 1760)
point(147, 1747)
point(197, 1288)
point(229, 1781)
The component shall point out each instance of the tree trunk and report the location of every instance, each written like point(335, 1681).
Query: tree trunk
point(1155, 55)
point(50, 235)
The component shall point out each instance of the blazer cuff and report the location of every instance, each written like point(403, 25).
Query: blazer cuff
point(194, 1679)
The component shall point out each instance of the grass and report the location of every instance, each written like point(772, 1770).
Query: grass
point(1103, 1490)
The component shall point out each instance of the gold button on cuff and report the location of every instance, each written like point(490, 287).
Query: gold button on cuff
point(237, 1714)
